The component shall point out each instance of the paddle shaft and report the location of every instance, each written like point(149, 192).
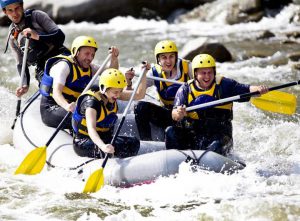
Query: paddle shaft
point(23, 71)
point(270, 89)
point(22, 78)
point(162, 79)
point(225, 100)
point(61, 124)
point(238, 97)
point(124, 115)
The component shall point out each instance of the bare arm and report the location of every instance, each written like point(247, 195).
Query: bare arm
point(114, 62)
point(141, 91)
point(91, 115)
point(60, 100)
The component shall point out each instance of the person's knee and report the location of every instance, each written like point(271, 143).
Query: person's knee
point(220, 146)
point(126, 146)
point(169, 132)
point(141, 108)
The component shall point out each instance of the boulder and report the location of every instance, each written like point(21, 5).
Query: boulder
point(82, 10)
point(266, 34)
point(102, 10)
point(199, 46)
point(250, 6)
point(235, 15)
point(296, 67)
point(294, 56)
point(293, 34)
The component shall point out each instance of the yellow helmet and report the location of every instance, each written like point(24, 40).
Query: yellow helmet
point(203, 61)
point(112, 78)
point(82, 41)
point(165, 46)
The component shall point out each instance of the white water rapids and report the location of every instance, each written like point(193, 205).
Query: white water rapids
point(267, 189)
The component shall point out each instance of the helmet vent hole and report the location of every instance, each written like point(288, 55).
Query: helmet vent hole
point(119, 82)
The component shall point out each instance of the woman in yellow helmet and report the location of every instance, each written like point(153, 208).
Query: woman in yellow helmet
point(168, 66)
point(65, 77)
point(96, 114)
point(209, 128)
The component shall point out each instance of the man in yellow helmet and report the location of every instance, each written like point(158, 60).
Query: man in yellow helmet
point(65, 77)
point(168, 66)
point(96, 114)
point(209, 128)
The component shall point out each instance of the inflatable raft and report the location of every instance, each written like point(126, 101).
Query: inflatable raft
point(152, 161)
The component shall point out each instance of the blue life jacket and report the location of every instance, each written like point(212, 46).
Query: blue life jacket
point(166, 90)
point(76, 81)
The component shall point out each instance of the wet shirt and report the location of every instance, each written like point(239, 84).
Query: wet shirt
point(91, 102)
point(46, 28)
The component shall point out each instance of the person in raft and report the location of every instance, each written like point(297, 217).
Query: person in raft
point(46, 39)
point(210, 128)
point(96, 114)
point(65, 78)
point(168, 66)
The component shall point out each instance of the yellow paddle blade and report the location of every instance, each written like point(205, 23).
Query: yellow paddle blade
point(276, 101)
point(33, 162)
point(95, 182)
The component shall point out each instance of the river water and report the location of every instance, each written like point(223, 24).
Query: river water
point(267, 189)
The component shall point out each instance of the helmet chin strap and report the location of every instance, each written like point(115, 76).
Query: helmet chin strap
point(199, 84)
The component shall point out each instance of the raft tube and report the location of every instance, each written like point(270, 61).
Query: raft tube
point(152, 161)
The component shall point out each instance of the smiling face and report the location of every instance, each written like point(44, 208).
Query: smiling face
point(14, 12)
point(204, 77)
point(85, 56)
point(167, 61)
point(113, 94)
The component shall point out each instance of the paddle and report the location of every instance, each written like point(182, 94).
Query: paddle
point(22, 78)
point(96, 180)
point(165, 80)
point(36, 159)
point(273, 101)
point(269, 103)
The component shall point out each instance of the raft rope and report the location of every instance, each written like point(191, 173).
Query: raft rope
point(192, 159)
point(28, 103)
